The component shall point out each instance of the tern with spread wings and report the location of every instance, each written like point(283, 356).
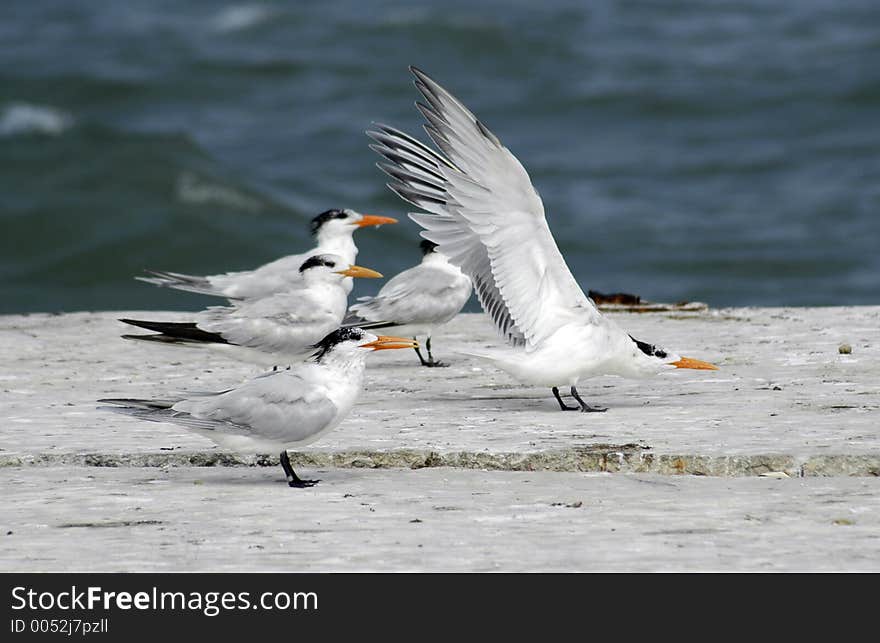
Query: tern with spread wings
point(486, 217)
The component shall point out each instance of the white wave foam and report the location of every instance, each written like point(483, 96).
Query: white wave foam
point(25, 118)
point(192, 189)
point(238, 17)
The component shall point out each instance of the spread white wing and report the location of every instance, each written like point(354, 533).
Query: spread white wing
point(486, 217)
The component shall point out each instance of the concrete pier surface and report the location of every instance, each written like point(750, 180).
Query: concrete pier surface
point(770, 463)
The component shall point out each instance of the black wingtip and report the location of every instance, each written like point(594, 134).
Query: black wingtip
point(424, 83)
point(133, 403)
point(118, 401)
point(175, 331)
point(151, 325)
point(421, 76)
point(155, 337)
point(356, 321)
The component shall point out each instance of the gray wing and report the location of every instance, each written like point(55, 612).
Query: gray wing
point(280, 406)
point(419, 294)
point(160, 411)
point(282, 323)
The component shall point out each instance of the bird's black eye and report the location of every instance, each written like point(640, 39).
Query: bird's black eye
point(342, 215)
point(330, 264)
point(660, 353)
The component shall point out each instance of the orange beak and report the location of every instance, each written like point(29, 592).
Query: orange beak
point(386, 342)
point(371, 219)
point(687, 362)
point(360, 271)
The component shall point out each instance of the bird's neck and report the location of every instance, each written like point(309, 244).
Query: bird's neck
point(434, 259)
point(350, 363)
point(316, 293)
point(330, 296)
point(342, 377)
point(315, 280)
point(339, 243)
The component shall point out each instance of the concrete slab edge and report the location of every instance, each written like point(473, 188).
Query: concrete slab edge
point(626, 459)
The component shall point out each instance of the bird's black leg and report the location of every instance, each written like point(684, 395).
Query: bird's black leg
point(562, 405)
point(294, 480)
point(419, 353)
point(585, 408)
point(431, 360)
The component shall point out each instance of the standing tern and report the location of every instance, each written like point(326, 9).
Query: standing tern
point(486, 216)
point(280, 410)
point(285, 325)
point(417, 300)
point(333, 230)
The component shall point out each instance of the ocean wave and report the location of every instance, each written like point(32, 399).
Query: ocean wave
point(240, 17)
point(25, 118)
point(194, 189)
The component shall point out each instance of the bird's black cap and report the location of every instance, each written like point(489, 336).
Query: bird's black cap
point(427, 246)
point(317, 260)
point(337, 337)
point(649, 349)
point(326, 216)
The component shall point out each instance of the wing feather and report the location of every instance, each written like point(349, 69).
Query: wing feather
point(486, 216)
point(460, 244)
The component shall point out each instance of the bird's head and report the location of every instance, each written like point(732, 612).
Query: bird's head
point(348, 342)
point(332, 268)
point(648, 359)
point(427, 246)
point(333, 223)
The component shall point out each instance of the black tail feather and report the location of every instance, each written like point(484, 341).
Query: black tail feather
point(161, 339)
point(149, 405)
point(175, 332)
point(353, 320)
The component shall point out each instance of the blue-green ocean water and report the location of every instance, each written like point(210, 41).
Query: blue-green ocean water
point(720, 151)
